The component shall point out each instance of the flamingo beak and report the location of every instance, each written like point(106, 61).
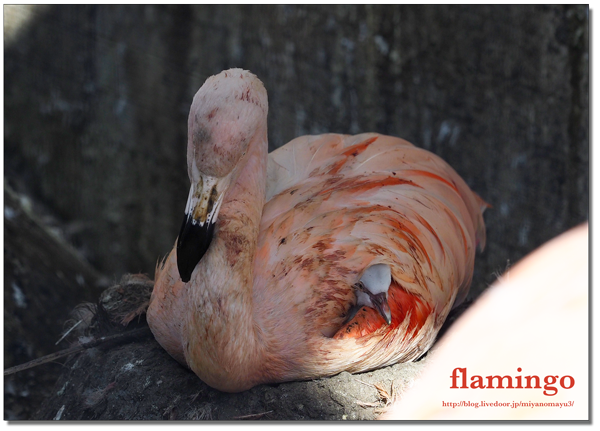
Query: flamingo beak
point(380, 303)
point(198, 225)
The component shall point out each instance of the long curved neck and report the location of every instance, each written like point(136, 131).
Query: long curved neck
point(221, 329)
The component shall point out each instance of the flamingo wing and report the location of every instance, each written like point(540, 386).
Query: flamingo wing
point(337, 204)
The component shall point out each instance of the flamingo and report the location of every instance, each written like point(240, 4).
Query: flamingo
point(331, 253)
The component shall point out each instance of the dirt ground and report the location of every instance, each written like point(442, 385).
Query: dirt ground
point(140, 381)
point(136, 379)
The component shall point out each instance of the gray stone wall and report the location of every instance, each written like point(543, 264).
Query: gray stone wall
point(96, 102)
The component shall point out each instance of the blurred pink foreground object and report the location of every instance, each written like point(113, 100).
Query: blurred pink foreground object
point(531, 326)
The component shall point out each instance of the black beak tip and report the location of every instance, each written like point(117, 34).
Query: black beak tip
point(380, 302)
point(192, 244)
point(184, 271)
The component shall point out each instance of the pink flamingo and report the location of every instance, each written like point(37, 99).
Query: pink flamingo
point(332, 253)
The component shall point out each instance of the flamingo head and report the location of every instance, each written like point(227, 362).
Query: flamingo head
point(228, 113)
point(372, 290)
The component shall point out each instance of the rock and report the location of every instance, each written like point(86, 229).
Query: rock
point(44, 279)
point(138, 380)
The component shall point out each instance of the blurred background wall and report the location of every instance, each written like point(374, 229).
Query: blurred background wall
point(96, 102)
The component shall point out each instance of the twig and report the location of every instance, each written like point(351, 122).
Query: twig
point(254, 416)
point(366, 404)
point(78, 348)
point(68, 332)
point(365, 383)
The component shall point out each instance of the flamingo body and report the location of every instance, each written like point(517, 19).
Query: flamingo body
point(274, 298)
